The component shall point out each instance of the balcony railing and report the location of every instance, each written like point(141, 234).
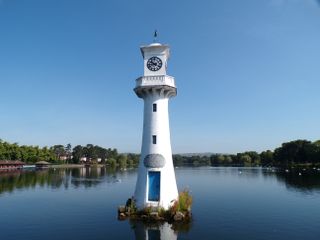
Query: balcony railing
point(155, 80)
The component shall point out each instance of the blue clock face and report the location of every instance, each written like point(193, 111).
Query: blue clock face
point(154, 64)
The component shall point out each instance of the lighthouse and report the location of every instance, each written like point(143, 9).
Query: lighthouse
point(156, 182)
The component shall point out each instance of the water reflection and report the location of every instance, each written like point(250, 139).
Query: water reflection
point(56, 178)
point(145, 231)
point(307, 181)
point(158, 230)
point(228, 204)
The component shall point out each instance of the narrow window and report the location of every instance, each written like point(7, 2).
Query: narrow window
point(154, 107)
point(154, 139)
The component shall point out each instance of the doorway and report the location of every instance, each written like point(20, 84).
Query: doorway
point(154, 186)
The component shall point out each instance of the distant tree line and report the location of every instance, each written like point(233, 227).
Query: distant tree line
point(66, 154)
point(289, 154)
point(25, 153)
point(105, 155)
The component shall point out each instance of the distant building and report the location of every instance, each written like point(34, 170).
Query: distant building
point(83, 159)
point(42, 164)
point(63, 158)
point(5, 164)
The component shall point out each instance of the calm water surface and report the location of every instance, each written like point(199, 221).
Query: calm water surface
point(229, 203)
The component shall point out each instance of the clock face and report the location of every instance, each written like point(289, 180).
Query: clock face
point(154, 64)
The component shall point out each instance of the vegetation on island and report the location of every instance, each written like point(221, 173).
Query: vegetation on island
point(180, 211)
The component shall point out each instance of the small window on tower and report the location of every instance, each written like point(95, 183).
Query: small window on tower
point(154, 107)
point(154, 139)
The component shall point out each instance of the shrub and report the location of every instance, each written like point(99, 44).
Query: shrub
point(183, 204)
point(131, 206)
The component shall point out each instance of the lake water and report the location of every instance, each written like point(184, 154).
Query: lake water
point(229, 203)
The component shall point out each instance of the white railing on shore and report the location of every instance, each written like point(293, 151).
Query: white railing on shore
point(155, 80)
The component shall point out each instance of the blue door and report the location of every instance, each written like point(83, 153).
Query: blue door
point(154, 186)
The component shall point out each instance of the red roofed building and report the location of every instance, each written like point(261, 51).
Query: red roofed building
point(5, 164)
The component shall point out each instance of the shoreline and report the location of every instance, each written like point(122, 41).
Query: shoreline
point(66, 166)
point(74, 165)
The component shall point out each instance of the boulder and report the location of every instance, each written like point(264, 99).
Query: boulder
point(144, 217)
point(121, 209)
point(128, 210)
point(179, 216)
point(154, 215)
point(122, 216)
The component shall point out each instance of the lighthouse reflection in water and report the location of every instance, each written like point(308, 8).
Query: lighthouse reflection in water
point(154, 231)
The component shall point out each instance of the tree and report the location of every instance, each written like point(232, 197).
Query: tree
point(245, 159)
point(59, 151)
point(267, 158)
point(122, 160)
point(68, 151)
point(77, 153)
point(317, 146)
point(228, 159)
point(255, 157)
point(111, 162)
point(294, 152)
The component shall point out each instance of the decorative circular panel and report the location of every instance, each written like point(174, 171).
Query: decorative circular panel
point(154, 161)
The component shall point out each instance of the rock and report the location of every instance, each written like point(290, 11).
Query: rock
point(122, 216)
point(144, 217)
point(179, 216)
point(128, 210)
point(121, 209)
point(154, 215)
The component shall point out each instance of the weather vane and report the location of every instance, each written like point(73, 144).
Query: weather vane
point(155, 35)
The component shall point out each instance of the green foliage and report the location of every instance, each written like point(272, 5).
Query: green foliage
point(183, 204)
point(195, 163)
point(162, 212)
point(77, 153)
point(28, 154)
point(245, 159)
point(147, 210)
point(299, 151)
point(112, 162)
point(290, 153)
point(267, 158)
point(122, 161)
point(131, 206)
point(62, 154)
point(157, 213)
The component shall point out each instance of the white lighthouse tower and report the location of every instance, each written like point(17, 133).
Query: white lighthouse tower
point(156, 184)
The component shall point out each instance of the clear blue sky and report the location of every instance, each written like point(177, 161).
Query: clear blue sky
point(248, 72)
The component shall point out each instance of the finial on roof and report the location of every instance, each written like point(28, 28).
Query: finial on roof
point(155, 35)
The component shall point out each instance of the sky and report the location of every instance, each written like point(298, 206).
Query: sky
point(247, 72)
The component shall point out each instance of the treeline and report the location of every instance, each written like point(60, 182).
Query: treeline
point(28, 154)
point(66, 154)
point(94, 153)
point(289, 154)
